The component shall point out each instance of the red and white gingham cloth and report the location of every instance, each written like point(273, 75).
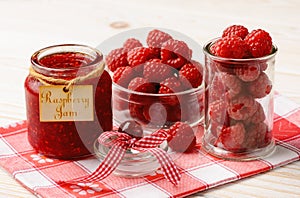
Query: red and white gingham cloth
point(199, 171)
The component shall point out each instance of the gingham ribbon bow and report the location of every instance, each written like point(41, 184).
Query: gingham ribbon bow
point(120, 142)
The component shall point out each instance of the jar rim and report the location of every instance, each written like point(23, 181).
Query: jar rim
point(61, 48)
point(244, 60)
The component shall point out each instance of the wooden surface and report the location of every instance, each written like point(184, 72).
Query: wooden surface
point(26, 26)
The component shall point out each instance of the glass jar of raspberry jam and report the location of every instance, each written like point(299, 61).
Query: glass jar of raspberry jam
point(54, 66)
point(239, 106)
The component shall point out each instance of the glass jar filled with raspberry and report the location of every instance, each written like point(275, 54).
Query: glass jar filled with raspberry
point(239, 96)
point(68, 100)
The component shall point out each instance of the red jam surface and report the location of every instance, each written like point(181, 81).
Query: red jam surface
point(72, 139)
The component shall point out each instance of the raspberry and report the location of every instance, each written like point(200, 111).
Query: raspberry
point(175, 53)
point(230, 47)
point(232, 137)
point(261, 87)
point(217, 89)
point(247, 73)
point(140, 84)
point(259, 43)
point(132, 43)
point(136, 112)
point(218, 113)
point(169, 86)
point(173, 113)
point(242, 107)
point(256, 136)
point(236, 30)
point(132, 128)
point(182, 137)
point(157, 72)
point(156, 38)
point(258, 116)
point(123, 75)
point(116, 58)
point(193, 73)
point(138, 55)
point(232, 82)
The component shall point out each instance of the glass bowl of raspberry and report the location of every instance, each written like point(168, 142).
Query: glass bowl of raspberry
point(157, 83)
point(239, 97)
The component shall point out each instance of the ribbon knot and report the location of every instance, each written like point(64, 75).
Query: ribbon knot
point(120, 142)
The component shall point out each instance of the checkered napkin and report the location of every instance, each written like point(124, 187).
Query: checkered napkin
point(199, 171)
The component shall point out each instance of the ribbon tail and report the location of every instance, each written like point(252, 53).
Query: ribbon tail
point(107, 166)
point(168, 166)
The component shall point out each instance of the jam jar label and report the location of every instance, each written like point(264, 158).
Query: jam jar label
point(59, 105)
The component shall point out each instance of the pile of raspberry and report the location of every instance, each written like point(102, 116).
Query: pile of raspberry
point(164, 66)
point(238, 88)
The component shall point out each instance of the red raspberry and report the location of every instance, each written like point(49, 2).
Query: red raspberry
point(182, 137)
point(173, 113)
point(157, 72)
point(218, 112)
point(256, 136)
point(242, 107)
point(247, 73)
point(261, 87)
point(217, 89)
point(138, 55)
point(132, 43)
point(192, 72)
point(259, 43)
point(232, 82)
point(136, 111)
point(258, 116)
point(232, 137)
point(169, 86)
point(175, 53)
point(156, 38)
point(123, 75)
point(230, 47)
point(236, 30)
point(116, 58)
point(140, 84)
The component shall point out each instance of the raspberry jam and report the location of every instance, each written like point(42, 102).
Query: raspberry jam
point(67, 139)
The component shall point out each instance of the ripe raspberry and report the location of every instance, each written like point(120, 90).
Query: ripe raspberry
point(259, 43)
point(182, 137)
point(136, 112)
point(218, 112)
point(232, 82)
point(248, 73)
point(141, 85)
point(218, 89)
point(157, 72)
point(258, 116)
point(237, 30)
point(138, 56)
point(132, 43)
point(132, 128)
point(242, 107)
point(192, 72)
point(232, 137)
point(261, 87)
point(175, 53)
point(116, 58)
point(169, 86)
point(230, 47)
point(256, 136)
point(156, 38)
point(123, 75)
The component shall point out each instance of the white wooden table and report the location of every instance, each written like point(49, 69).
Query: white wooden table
point(26, 26)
